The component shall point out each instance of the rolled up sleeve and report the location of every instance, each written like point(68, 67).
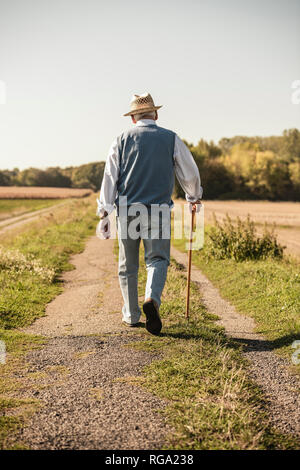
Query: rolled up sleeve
point(108, 191)
point(187, 171)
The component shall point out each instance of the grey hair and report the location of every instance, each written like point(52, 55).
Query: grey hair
point(149, 114)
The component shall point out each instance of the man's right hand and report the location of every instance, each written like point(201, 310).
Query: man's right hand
point(103, 228)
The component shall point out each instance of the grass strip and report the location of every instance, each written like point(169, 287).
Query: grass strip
point(16, 207)
point(15, 407)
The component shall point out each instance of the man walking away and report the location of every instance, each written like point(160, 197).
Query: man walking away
point(139, 178)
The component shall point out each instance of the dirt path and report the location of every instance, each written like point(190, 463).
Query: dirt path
point(269, 370)
point(85, 375)
point(92, 301)
point(19, 220)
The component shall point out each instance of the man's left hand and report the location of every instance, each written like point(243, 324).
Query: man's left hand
point(195, 206)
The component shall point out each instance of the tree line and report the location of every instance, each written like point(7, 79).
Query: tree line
point(239, 167)
point(249, 167)
point(84, 176)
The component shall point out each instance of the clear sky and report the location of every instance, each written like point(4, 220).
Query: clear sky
point(219, 68)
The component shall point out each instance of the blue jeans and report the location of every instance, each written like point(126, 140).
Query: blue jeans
point(157, 259)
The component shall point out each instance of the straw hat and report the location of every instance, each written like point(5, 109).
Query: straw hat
point(141, 104)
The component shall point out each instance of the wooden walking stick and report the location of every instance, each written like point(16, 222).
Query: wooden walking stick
point(189, 264)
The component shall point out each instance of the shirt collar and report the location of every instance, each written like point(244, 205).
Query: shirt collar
point(146, 122)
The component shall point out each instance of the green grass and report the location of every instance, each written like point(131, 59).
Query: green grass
point(25, 294)
point(14, 411)
point(211, 403)
point(267, 290)
point(13, 207)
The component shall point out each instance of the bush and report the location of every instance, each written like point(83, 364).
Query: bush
point(240, 242)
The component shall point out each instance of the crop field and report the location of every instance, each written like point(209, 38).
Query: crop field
point(35, 192)
point(285, 215)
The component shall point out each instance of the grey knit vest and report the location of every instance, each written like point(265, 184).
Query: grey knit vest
point(146, 165)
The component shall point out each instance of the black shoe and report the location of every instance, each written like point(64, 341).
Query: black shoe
point(132, 325)
point(153, 321)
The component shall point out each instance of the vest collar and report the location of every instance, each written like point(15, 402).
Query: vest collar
point(146, 122)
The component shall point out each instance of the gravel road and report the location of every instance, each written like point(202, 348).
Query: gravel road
point(88, 399)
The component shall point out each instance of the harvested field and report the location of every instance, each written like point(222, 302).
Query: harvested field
point(286, 216)
point(35, 192)
point(283, 214)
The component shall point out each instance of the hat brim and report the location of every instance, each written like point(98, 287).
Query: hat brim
point(142, 110)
